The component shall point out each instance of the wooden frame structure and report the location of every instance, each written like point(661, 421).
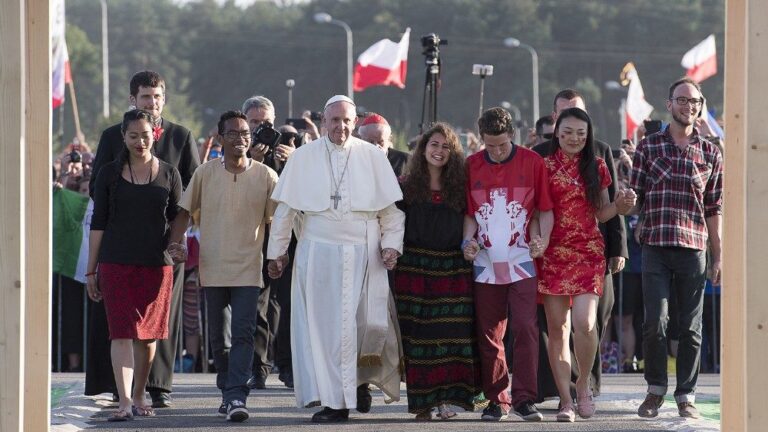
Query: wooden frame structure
point(25, 197)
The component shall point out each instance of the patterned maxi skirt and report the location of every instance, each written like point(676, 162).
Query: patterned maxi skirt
point(433, 292)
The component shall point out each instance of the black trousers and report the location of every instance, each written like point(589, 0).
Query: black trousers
point(547, 387)
point(161, 374)
point(99, 377)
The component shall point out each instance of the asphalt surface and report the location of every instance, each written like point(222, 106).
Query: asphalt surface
point(196, 399)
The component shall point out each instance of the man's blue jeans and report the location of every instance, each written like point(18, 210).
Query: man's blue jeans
point(231, 325)
point(682, 272)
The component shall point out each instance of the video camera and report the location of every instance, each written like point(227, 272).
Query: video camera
point(431, 44)
point(265, 134)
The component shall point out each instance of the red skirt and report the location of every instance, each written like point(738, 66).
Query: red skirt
point(137, 300)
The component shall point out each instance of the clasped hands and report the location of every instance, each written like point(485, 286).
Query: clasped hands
point(178, 252)
point(625, 199)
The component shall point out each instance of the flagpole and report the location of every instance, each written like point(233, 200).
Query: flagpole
point(75, 112)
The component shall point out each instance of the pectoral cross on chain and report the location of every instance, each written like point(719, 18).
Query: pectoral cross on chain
point(336, 198)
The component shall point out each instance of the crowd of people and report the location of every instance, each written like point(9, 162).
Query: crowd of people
point(482, 280)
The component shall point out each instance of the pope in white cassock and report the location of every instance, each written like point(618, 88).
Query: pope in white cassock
point(339, 192)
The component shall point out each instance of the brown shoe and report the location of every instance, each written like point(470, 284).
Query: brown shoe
point(650, 406)
point(687, 410)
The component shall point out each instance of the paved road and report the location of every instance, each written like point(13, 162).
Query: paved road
point(196, 400)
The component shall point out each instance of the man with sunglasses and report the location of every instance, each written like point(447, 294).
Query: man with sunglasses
point(614, 236)
point(231, 195)
point(677, 175)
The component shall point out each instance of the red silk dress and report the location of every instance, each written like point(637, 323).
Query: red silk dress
point(574, 262)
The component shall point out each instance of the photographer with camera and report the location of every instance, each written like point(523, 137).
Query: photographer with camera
point(273, 149)
point(265, 143)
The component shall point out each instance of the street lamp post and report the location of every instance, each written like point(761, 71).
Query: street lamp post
point(482, 71)
point(290, 84)
point(323, 18)
point(515, 43)
point(104, 58)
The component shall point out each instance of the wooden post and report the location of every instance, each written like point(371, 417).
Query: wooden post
point(745, 298)
point(12, 211)
point(38, 216)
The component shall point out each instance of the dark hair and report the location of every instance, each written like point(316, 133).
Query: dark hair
point(567, 94)
point(229, 115)
point(681, 81)
point(547, 119)
point(588, 161)
point(416, 185)
point(134, 115)
point(495, 121)
point(146, 79)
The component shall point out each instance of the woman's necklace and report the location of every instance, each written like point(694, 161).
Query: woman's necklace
point(571, 179)
point(336, 197)
point(149, 178)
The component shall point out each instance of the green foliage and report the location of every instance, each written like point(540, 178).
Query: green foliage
point(215, 54)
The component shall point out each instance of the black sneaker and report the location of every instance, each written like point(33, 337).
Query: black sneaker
point(494, 412)
point(223, 409)
point(257, 382)
point(236, 411)
point(528, 412)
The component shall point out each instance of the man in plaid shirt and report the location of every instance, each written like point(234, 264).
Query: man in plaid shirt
point(677, 176)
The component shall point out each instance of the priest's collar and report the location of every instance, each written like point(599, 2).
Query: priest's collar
point(333, 146)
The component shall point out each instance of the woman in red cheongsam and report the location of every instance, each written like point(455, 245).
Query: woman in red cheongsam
point(572, 268)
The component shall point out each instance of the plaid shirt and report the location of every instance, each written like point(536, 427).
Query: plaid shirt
point(677, 189)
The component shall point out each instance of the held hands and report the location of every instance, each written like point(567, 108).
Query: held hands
point(616, 264)
point(389, 256)
point(178, 252)
point(537, 246)
point(470, 248)
point(276, 267)
point(625, 199)
point(92, 286)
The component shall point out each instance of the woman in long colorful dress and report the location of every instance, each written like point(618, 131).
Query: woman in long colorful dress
point(573, 263)
point(129, 263)
point(433, 282)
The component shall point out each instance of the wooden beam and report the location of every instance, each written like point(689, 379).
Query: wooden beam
point(12, 82)
point(745, 298)
point(38, 221)
point(756, 220)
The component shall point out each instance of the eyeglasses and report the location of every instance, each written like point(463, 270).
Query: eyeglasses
point(233, 135)
point(682, 101)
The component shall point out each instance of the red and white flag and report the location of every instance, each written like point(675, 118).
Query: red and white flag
point(61, 74)
point(701, 60)
point(637, 108)
point(383, 64)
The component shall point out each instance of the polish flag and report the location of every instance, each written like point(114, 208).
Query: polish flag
point(701, 60)
point(60, 56)
point(383, 64)
point(637, 108)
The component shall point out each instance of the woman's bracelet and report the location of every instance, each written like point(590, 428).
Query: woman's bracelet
point(93, 273)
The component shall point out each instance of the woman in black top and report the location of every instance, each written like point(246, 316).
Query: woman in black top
point(433, 281)
point(135, 200)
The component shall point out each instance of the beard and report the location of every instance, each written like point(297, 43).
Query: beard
point(682, 120)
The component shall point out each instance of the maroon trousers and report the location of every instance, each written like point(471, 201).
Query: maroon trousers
point(493, 305)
